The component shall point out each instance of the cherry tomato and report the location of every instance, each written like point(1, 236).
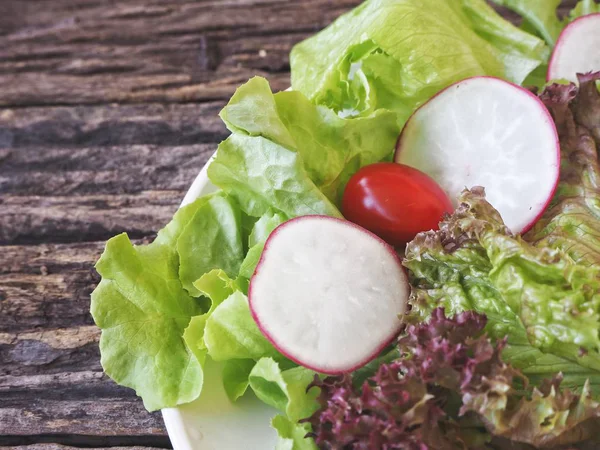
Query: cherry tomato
point(394, 201)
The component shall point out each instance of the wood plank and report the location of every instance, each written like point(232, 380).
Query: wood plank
point(45, 288)
point(96, 149)
point(34, 219)
point(83, 403)
point(109, 125)
point(79, 51)
point(51, 381)
point(96, 171)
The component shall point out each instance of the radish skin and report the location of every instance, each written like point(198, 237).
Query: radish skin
point(328, 294)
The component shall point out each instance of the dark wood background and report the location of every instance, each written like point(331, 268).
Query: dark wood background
point(108, 109)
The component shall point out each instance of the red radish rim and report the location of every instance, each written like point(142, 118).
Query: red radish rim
point(548, 115)
point(563, 34)
point(285, 353)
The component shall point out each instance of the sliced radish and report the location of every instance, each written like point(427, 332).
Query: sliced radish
point(328, 293)
point(487, 132)
point(577, 49)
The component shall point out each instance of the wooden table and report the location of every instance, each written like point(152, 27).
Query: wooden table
point(108, 109)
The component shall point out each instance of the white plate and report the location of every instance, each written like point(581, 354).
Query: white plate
point(212, 422)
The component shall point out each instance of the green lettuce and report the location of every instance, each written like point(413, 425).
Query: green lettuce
point(402, 52)
point(263, 176)
point(227, 332)
point(546, 304)
point(286, 389)
point(216, 287)
point(291, 156)
point(143, 310)
point(231, 333)
point(211, 240)
point(572, 220)
point(292, 435)
point(152, 326)
point(541, 16)
point(261, 231)
point(551, 417)
point(583, 8)
point(235, 377)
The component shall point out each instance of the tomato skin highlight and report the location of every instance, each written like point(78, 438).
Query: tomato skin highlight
point(394, 201)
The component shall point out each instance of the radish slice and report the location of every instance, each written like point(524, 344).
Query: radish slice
point(577, 49)
point(487, 132)
point(328, 293)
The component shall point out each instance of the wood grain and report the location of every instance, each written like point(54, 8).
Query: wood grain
point(51, 381)
point(80, 51)
point(107, 112)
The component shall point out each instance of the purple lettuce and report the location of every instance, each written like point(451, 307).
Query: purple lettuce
point(450, 389)
point(571, 222)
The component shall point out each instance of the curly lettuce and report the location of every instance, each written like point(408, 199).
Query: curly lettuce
point(547, 305)
point(572, 220)
point(450, 389)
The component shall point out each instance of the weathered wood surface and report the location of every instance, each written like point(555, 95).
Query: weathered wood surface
point(107, 112)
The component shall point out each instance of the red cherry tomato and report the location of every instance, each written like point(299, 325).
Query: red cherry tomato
point(394, 201)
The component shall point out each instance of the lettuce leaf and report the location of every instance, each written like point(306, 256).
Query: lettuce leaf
point(542, 16)
point(285, 390)
point(583, 8)
point(402, 52)
point(291, 156)
point(142, 309)
point(231, 333)
point(261, 231)
point(538, 14)
point(549, 418)
point(263, 176)
point(545, 303)
point(572, 220)
point(211, 240)
point(216, 286)
point(152, 327)
point(450, 389)
point(235, 377)
point(227, 331)
point(292, 436)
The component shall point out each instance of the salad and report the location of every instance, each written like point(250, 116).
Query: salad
point(352, 271)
